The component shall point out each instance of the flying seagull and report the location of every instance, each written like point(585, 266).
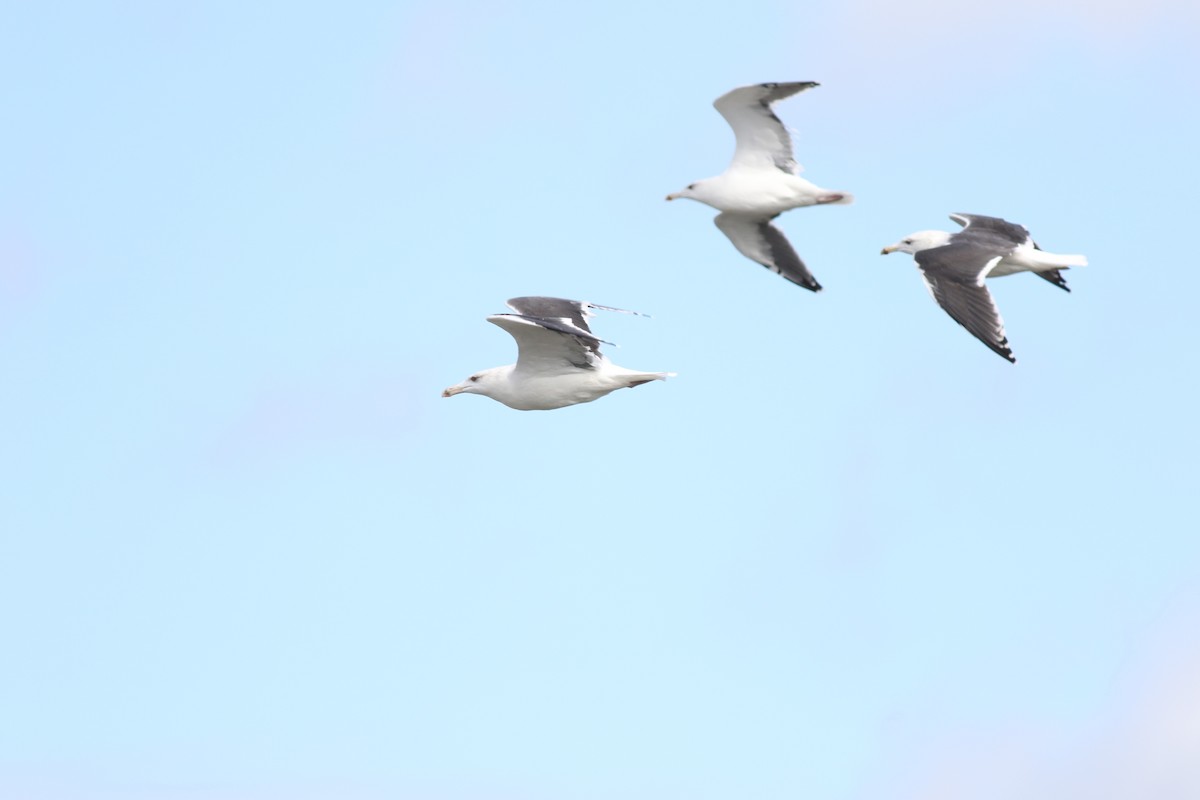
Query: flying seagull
point(954, 266)
point(559, 362)
point(762, 181)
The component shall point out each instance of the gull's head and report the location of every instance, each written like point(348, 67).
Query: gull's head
point(689, 192)
point(916, 242)
point(479, 383)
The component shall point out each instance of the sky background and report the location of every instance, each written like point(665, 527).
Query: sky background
point(247, 552)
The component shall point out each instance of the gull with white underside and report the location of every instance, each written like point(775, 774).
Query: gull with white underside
point(955, 265)
point(559, 362)
point(762, 181)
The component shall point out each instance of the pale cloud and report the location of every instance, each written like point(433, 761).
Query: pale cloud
point(1146, 745)
point(918, 56)
point(89, 786)
point(921, 22)
point(342, 407)
point(453, 50)
point(19, 268)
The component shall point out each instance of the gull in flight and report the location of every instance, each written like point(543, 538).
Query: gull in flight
point(954, 266)
point(559, 362)
point(762, 181)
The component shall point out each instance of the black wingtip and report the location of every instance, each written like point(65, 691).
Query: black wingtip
point(1003, 352)
point(812, 286)
point(1055, 276)
point(805, 84)
point(1001, 349)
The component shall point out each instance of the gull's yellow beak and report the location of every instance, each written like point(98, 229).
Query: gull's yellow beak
point(453, 390)
point(891, 248)
point(672, 197)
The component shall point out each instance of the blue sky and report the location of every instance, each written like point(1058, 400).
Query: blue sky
point(247, 551)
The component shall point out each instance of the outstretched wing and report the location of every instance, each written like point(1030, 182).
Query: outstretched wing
point(954, 275)
point(760, 241)
point(1055, 276)
point(545, 346)
point(762, 140)
point(999, 232)
point(552, 332)
point(992, 230)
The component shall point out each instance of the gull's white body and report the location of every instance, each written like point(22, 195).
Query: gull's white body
point(1027, 258)
point(760, 192)
point(548, 389)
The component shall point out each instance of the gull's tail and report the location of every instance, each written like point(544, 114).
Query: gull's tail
point(638, 378)
point(835, 199)
point(1039, 259)
point(1048, 265)
point(1059, 261)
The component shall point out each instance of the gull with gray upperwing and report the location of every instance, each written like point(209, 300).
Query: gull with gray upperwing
point(955, 265)
point(762, 181)
point(559, 362)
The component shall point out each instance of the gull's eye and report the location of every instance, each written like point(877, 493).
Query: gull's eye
point(691, 186)
point(474, 378)
point(906, 241)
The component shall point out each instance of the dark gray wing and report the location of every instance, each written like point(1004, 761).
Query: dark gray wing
point(760, 241)
point(1055, 276)
point(550, 331)
point(954, 275)
point(762, 140)
point(566, 316)
point(992, 230)
point(546, 345)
